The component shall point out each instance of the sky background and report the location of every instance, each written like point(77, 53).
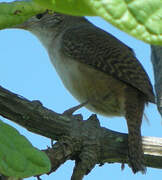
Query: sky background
point(25, 69)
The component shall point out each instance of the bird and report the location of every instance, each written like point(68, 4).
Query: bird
point(98, 68)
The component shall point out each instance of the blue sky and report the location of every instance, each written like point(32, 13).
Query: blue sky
point(27, 70)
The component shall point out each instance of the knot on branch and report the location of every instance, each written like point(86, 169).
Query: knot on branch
point(82, 145)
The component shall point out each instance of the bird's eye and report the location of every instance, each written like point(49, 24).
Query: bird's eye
point(39, 16)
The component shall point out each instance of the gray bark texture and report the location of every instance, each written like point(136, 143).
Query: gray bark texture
point(84, 141)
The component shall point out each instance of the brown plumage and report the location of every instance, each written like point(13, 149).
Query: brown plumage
point(97, 67)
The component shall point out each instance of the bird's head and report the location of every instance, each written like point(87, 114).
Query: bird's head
point(42, 20)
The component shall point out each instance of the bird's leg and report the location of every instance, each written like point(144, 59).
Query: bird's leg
point(134, 107)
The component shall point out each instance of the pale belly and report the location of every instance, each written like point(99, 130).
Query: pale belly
point(104, 93)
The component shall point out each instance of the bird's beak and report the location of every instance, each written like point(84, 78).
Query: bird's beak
point(24, 25)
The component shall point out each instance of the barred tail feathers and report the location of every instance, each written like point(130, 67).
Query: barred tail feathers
point(134, 106)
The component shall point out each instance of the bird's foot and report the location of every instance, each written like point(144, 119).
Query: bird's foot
point(136, 164)
point(69, 112)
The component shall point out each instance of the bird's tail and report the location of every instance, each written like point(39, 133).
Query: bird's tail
point(134, 106)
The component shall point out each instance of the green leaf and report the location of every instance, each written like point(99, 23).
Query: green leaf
point(17, 12)
point(18, 158)
point(139, 18)
point(72, 7)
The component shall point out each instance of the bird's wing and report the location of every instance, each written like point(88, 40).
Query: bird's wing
point(99, 49)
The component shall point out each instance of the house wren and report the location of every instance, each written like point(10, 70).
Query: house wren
point(96, 67)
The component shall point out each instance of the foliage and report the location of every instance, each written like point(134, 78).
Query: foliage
point(141, 19)
point(18, 158)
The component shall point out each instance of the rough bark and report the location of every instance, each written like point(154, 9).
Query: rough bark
point(86, 142)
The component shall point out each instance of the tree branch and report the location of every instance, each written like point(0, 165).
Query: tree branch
point(86, 142)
